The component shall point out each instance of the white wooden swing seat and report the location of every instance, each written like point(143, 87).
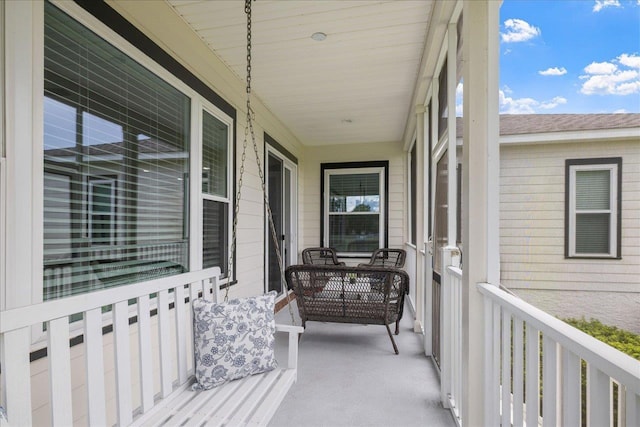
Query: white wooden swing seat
point(250, 401)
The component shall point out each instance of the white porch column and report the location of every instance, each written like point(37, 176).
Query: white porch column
point(419, 325)
point(452, 176)
point(481, 193)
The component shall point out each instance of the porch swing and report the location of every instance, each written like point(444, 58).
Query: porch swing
point(237, 379)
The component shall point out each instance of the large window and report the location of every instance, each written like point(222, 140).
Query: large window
point(355, 207)
point(593, 189)
point(116, 163)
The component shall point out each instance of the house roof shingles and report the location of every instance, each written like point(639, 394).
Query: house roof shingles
point(519, 124)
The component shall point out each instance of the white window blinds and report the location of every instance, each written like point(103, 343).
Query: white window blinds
point(116, 158)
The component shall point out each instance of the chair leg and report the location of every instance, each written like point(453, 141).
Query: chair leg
point(395, 347)
point(397, 326)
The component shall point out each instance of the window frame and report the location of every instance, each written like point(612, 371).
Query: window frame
point(329, 169)
point(614, 166)
point(209, 108)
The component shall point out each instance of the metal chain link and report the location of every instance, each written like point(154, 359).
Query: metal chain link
point(249, 130)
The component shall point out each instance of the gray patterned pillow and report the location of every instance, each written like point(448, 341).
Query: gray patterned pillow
point(233, 340)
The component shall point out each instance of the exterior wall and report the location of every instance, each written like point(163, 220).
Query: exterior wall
point(311, 214)
point(533, 265)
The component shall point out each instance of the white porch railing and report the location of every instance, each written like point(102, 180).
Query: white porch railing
point(82, 379)
point(521, 341)
point(451, 338)
point(528, 352)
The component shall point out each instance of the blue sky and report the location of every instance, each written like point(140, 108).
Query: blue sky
point(580, 56)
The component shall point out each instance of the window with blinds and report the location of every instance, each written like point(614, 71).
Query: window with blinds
point(116, 163)
point(215, 193)
point(354, 210)
point(593, 212)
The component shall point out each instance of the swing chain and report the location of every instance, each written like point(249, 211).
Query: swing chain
point(249, 131)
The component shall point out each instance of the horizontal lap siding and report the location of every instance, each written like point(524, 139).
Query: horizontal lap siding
point(532, 229)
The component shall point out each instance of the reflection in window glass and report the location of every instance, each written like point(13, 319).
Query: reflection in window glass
point(116, 159)
point(214, 156)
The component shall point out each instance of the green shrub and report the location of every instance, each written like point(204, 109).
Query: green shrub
point(625, 341)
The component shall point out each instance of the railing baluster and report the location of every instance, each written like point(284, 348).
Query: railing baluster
point(94, 360)
point(146, 363)
point(598, 397)
point(193, 295)
point(632, 408)
point(60, 371)
point(570, 389)
point(492, 362)
point(16, 375)
point(532, 380)
point(506, 368)
point(166, 380)
point(518, 372)
point(123, 362)
point(181, 333)
point(549, 382)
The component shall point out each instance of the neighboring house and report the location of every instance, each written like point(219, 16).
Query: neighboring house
point(570, 214)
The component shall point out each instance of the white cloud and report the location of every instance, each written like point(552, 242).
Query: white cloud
point(600, 68)
point(601, 4)
point(555, 71)
point(622, 110)
point(609, 78)
point(519, 31)
point(632, 61)
point(509, 105)
point(548, 105)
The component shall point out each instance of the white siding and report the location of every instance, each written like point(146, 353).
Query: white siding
point(532, 210)
point(311, 214)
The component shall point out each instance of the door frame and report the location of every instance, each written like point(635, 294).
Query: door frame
point(289, 162)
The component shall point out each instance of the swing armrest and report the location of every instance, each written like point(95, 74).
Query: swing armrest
point(294, 332)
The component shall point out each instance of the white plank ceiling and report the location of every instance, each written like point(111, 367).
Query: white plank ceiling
point(355, 86)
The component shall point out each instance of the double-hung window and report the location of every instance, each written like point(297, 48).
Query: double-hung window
point(593, 190)
point(354, 206)
point(215, 192)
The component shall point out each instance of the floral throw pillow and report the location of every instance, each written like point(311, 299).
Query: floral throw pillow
point(233, 340)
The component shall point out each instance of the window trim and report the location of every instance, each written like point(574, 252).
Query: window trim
point(614, 166)
point(326, 170)
point(206, 106)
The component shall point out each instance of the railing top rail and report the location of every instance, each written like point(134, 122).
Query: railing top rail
point(606, 358)
point(37, 313)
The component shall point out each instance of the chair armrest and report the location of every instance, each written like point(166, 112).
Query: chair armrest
point(294, 332)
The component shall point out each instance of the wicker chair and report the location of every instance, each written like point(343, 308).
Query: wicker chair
point(320, 256)
point(361, 295)
point(386, 257)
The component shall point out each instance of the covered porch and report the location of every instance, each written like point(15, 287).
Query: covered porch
point(122, 148)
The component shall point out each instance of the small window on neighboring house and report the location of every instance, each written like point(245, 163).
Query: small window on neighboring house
point(593, 193)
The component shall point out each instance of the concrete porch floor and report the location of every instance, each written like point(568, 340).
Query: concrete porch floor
point(348, 375)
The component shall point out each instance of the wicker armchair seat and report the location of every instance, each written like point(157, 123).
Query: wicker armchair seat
point(371, 295)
